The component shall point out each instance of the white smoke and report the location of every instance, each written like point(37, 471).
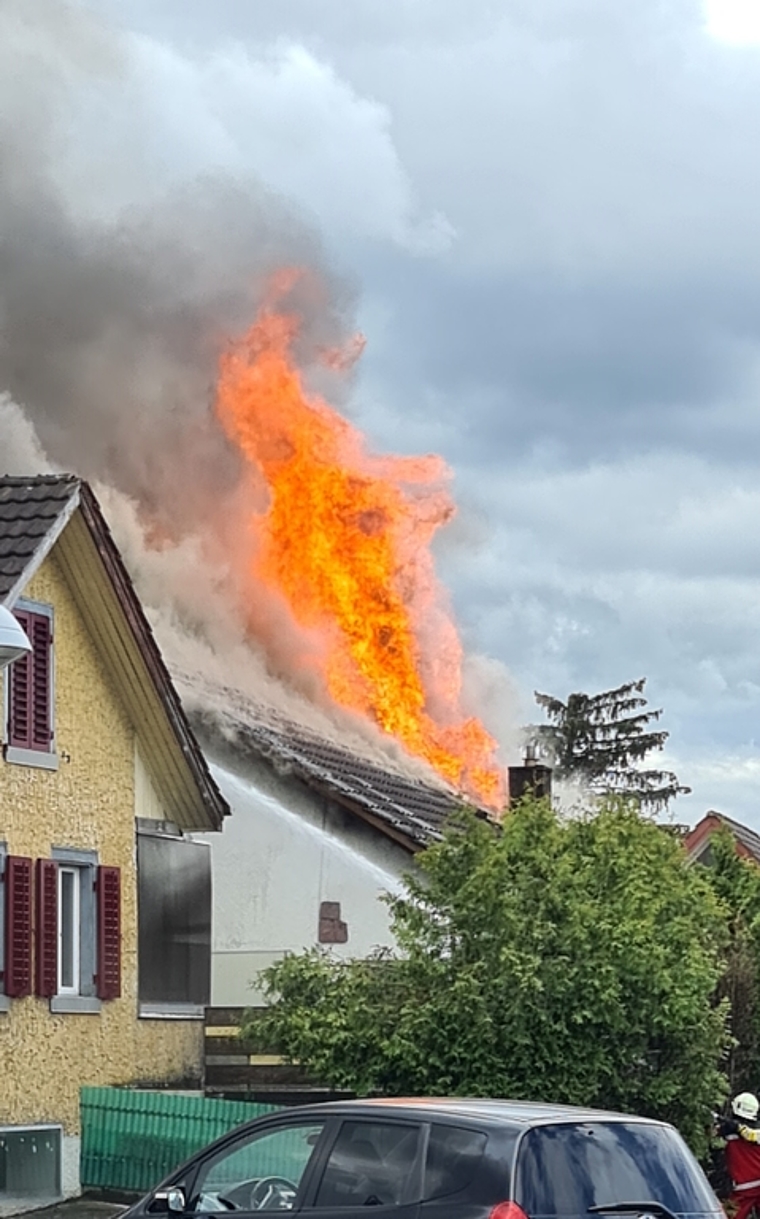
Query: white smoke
point(20, 450)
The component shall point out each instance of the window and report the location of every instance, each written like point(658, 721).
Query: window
point(69, 944)
point(174, 920)
point(453, 1157)
point(29, 697)
point(60, 925)
point(261, 1172)
point(371, 1164)
point(566, 1169)
point(78, 931)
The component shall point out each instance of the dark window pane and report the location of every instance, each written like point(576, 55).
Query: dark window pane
point(174, 892)
point(453, 1157)
point(371, 1164)
point(563, 1170)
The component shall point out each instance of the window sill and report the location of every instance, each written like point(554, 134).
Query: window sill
point(171, 1011)
point(75, 1005)
point(31, 757)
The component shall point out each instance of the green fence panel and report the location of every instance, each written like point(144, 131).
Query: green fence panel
point(131, 1140)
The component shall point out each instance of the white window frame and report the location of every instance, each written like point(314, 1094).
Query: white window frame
point(42, 759)
point(76, 933)
point(81, 998)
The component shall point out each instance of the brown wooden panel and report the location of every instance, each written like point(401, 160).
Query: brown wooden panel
point(226, 1015)
point(224, 1073)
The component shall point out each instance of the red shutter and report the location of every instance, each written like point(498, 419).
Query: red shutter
point(108, 977)
point(18, 926)
point(41, 734)
point(20, 709)
point(30, 724)
point(46, 931)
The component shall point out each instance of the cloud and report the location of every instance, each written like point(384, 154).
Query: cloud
point(275, 110)
point(641, 568)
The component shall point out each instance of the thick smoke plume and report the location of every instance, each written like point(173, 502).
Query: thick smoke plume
point(111, 325)
point(110, 330)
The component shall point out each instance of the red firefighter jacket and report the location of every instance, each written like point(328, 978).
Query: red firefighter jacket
point(743, 1158)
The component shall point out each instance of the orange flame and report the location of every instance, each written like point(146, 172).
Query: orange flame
point(345, 539)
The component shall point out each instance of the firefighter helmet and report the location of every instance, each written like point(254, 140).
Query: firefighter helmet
point(746, 1105)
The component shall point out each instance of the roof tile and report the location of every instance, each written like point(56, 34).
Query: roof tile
point(412, 807)
point(29, 507)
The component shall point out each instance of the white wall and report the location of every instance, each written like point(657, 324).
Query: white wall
point(272, 867)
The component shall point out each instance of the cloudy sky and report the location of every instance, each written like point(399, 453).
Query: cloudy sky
point(549, 213)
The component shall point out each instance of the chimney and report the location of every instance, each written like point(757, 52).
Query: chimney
point(531, 778)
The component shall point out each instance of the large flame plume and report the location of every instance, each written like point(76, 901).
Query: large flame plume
point(345, 539)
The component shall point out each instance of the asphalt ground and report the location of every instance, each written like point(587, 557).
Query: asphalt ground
point(80, 1208)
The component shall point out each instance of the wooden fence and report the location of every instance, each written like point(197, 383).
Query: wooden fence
point(234, 1072)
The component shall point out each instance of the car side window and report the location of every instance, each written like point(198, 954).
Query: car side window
point(453, 1157)
point(260, 1172)
point(371, 1164)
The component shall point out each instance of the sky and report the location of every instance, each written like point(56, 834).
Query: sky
point(546, 215)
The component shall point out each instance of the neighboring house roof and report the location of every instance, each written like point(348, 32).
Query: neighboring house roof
point(698, 840)
point(403, 807)
point(41, 512)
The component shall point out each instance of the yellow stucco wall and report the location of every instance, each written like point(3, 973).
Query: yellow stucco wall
point(88, 803)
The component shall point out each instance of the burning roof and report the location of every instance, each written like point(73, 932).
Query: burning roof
point(411, 809)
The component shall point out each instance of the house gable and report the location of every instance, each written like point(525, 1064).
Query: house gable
point(60, 516)
point(697, 841)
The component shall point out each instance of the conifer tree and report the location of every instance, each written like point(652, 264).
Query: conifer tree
point(603, 739)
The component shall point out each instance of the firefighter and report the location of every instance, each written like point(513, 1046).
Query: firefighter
point(743, 1153)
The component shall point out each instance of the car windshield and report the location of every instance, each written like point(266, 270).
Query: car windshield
point(565, 1169)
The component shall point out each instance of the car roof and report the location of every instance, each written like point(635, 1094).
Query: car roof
point(496, 1112)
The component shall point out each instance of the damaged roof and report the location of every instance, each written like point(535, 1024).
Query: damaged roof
point(37, 512)
point(410, 810)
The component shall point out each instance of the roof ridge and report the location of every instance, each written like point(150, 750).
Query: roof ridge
point(739, 825)
point(62, 476)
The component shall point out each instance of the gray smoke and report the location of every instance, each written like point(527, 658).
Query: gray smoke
point(110, 329)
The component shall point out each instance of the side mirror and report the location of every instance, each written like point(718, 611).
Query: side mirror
point(168, 1200)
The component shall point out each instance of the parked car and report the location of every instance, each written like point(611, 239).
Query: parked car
point(441, 1159)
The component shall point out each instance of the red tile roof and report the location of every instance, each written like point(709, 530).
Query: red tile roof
point(747, 840)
